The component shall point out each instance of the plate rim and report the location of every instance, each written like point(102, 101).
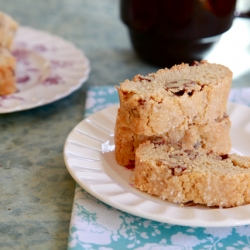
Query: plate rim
point(227, 222)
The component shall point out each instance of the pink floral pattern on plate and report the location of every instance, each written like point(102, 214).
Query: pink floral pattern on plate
point(48, 68)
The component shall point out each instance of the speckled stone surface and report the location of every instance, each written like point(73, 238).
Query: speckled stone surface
point(37, 191)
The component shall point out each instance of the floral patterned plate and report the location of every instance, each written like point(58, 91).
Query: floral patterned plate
point(48, 68)
point(89, 157)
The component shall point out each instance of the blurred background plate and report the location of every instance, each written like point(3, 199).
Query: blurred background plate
point(48, 69)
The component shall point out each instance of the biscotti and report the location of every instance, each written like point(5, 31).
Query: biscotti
point(184, 105)
point(8, 30)
point(7, 72)
point(175, 98)
point(197, 176)
point(213, 136)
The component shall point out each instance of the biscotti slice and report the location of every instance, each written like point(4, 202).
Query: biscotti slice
point(214, 136)
point(8, 28)
point(175, 98)
point(198, 176)
point(7, 72)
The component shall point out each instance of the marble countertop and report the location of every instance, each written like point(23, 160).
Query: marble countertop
point(37, 191)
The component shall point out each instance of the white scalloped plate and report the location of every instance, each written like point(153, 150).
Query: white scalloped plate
point(48, 69)
point(89, 157)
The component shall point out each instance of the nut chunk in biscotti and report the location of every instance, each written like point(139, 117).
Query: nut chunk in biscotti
point(175, 98)
point(198, 176)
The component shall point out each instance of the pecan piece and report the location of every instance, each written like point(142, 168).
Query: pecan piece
point(141, 101)
point(182, 83)
point(158, 141)
point(195, 63)
point(224, 157)
point(177, 170)
point(179, 87)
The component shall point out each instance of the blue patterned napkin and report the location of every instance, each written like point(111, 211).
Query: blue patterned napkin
point(95, 225)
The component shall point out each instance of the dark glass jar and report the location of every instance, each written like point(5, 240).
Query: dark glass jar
point(168, 32)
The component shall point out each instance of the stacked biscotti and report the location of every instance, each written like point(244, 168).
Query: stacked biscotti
point(8, 29)
point(184, 105)
point(197, 175)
